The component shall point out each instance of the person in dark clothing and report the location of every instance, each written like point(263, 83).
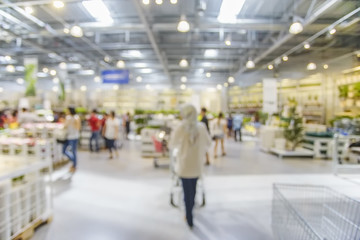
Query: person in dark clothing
point(206, 122)
point(229, 125)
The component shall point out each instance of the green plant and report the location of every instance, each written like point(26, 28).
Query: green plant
point(263, 117)
point(343, 91)
point(293, 129)
point(357, 90)
point(30, 80)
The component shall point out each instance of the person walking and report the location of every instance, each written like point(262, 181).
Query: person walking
point(229, 125)
point(95, 125)
point(111, 132)
point(72, 127)
point(206, 122)
point(126, 124)
point(237, 124)
point(218, 129)
point(192, 141)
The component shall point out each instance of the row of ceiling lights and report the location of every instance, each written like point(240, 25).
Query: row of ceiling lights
point(158, 2)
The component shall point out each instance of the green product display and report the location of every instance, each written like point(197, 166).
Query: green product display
point(30, 80)
point(293, 128)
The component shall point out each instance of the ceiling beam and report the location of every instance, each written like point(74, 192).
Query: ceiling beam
point(152, 39)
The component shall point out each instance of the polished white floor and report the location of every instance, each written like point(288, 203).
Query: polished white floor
point(127, 198)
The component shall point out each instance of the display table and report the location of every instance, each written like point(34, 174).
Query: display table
point(299, 152)
point(267, 137)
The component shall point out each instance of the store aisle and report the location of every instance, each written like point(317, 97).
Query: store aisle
point(128, 199)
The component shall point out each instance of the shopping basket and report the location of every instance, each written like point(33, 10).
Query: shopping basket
point(176, 190)
point(312, 212)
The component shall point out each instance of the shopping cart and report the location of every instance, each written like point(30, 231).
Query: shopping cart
point(160, 142)
point(314, 212)
point(176, 190)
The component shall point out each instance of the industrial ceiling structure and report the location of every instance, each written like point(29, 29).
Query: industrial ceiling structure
point(169, 42)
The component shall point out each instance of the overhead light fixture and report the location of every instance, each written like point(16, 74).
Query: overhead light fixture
point(250, 64)
point(83, 88)
point(58, 4)
point(182, 86)
point(183, 79)
point(97, 79)
point(107, 58)
point(211, 53)
point(53, 72)
point(132, 54)
point(285, 58)
point(296, 27)
point(66, 30)
point(55, 88)
point(173, 1)
point(116, 87)
point(311, 66)
point(10, 68)
point(45, 70)
point(146, 2)
point(20, 81)
point(227, 42)
point(183, 25)
point(219, 86)
point(63, 65)
point(98, 10)
point(41, 74)
point(208, 74)
point(159, 2)
point(229, 10)
point(8, 58)
point(231, 79)
point(183, 63)
point(270, 67)
point(332, 31)
point(56, 80)
point(76, 31)
point(29, 10)
point(146, 70)
point(52, 55)
point(120, 64)
point(307, 46)
point(226, 84)
point(86, 72)
point(325, 66)
point(139, 79)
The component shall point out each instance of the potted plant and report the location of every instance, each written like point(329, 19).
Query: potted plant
point(293, 128)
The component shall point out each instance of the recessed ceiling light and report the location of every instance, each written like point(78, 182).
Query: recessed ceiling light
point(296, 27)
point(183, 79)
point(183, 25)
point(146, 2)
point(219, 86)
point(250, 64)
point(311, 66)
point(183, 63)
point(211, 53)
point(76, 31)
point(120, 64)
point(159, 2)
point(231, 79)
point(139, 79)
point(29, 10)
point(208, 74)
point(58, 4)
point(56, 80)
point(285, 58)
point(307, 46)
point(173, 1)
point(332, 31)
point(270, 67)
point(325, 66)
point(20, 81)
point(52, 72)
point(97, 79)
point(182, 86)
point(83, 88)
point(10, 68)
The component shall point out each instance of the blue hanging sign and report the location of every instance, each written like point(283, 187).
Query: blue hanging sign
point(117, 76)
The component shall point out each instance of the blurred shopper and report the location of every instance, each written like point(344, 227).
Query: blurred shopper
point(229, 125)
point(192, 141)
point(95, 124)
point(3, 120)
point(126, 124)
point(111, 132)
point(218, 130)
point(13, 119)
point(72, 125)
point(206, 122)
point(237, 124)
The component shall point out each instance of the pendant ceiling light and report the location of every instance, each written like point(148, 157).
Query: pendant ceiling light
point(183, 25)
point(270, 67)
point(296, 27)
point(311, 66)
point(250, 64)
point(231, 79)
point(307, 46)
point(76, 31)
point(183, 63)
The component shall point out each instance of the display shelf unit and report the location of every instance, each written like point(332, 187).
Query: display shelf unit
point(25, 196)
point(299, 152)
point(322, 147)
